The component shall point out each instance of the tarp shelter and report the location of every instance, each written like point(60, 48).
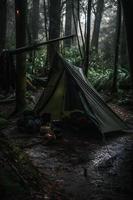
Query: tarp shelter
point(68, 90)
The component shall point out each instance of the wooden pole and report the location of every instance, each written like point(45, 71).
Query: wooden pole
point(35, 46)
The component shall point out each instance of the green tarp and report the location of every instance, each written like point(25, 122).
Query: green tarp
point(69, 90)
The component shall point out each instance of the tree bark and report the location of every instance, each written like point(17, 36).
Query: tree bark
point(123, 46)
point(68, 22)
point(80, 27)
point(117, 45)
point(46, 19)
point(35, 19)
point(20, 13)
point(128, 15)
point(87, 52)
point(54, 15)
point(97, 23)
point(3, 23)
point(76, 30)
point(54, 27)
point(74, 23)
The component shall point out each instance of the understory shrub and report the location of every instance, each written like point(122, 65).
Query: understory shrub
point(38, 61)
point(102, 78)
point(73, 56)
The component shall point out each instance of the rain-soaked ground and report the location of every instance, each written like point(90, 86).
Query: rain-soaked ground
point(79, 167)
point(82, 168)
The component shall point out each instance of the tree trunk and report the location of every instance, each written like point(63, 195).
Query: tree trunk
point(117, 45)
point(128, 14)
point(3, 23)
point(74, 23)
point(35, 19)
point(97, 23)
point(20, 13)
point(76, 30)
point(80, 27)
point(68, 22)
point(46, 20)
point(54, 15)
point(123, 46)
point(54, 27)
point(87, 52)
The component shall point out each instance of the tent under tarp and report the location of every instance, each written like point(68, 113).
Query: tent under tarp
point(68, 90)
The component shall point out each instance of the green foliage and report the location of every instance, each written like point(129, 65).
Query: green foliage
point(98, 60)
point(102, 78)
point(73, 55)
point(101, 72)
point(37, 61)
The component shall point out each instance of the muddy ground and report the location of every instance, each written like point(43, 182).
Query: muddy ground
point(79, 167)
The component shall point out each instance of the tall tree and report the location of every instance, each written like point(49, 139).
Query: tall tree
point(54, 27)
point(87, 50)
point(117, 45)
point(97, 23)
point(80, 27)
point(3, 23)
point(74, 23)
point(128, 15)
point(46, 19)
point(20, 13)
point(123, 46)
point(68, 22)
point(54, 17)
point(35, 19)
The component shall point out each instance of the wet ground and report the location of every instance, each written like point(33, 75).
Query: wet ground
point(79, 167)
point(82, 168)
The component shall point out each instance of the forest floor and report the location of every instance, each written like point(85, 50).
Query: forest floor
point(78, 167)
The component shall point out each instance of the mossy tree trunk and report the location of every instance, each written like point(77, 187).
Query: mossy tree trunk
point(20, 13)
